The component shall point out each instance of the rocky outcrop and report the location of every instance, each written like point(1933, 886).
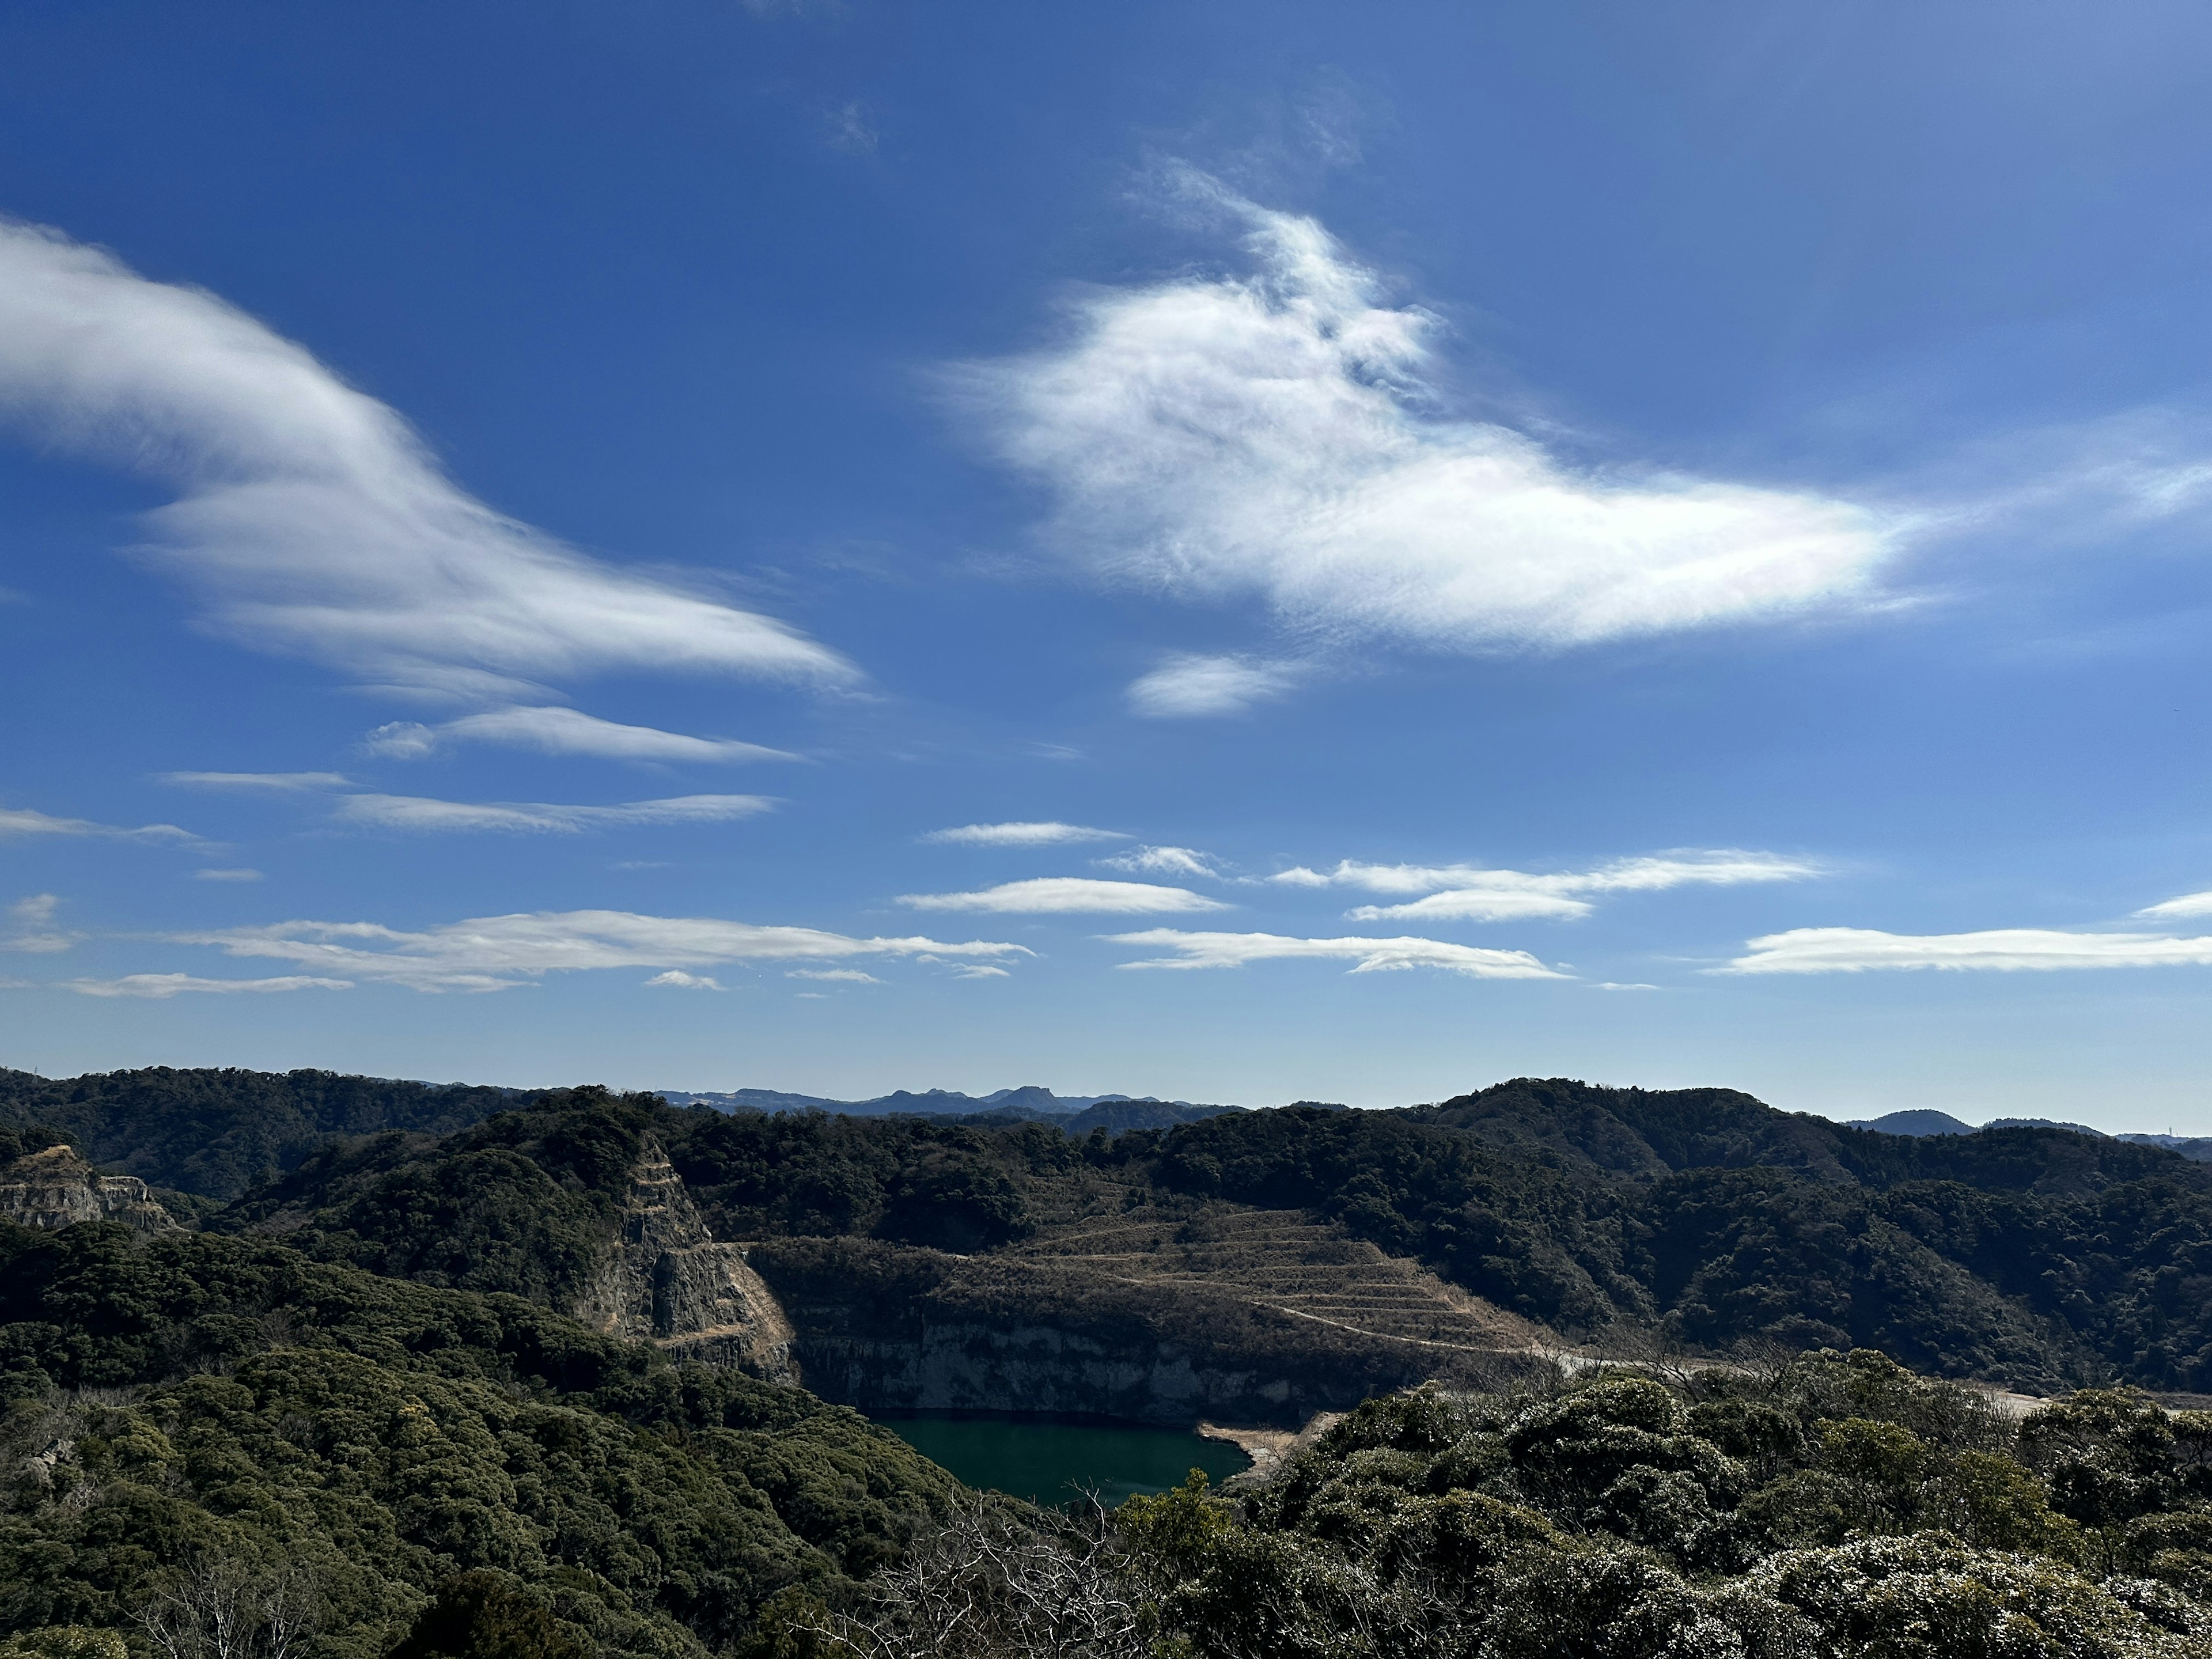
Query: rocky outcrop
point(667, 1281)
point(57, 1189)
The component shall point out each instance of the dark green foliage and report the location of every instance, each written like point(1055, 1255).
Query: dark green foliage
point(1838, 1507)
point(215, 1133)
point(187, 1394)
point(482, 1615)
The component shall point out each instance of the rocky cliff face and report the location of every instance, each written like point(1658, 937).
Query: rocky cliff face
point(668, 1282)
point(57, 1189)
point(882, 1326)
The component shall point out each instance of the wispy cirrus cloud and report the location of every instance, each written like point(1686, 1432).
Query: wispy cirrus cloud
point(841, 975)
point(423, 814)
point(160, 987)
point(2188, 904)
point(275, 782)
point(1047, 834)
point(1468, 892)
point(1194, 687)
point(1069, 896)
point(312, 520)
point(1280, 433)
point(1367, 956)
point(37, 926)
point(21, 821)
point(676, 980)
point(1861, 950)
point(552, 730)
point(498, 953)
point(1164, 861)
point(227, 875)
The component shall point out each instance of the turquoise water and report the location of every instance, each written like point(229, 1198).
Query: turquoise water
point(1054, 1460)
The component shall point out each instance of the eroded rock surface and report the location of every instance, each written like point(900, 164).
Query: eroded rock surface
point(668, 1282)
point(57, 1189)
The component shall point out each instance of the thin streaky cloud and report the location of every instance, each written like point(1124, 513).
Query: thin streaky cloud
point(227, 875)
point(1196, 687)
point(21, 821)
point(843, 975)
point(160, 987)
point(2188, 904)
point(311, 520)
point(1047, 833)
point(677, 979)
point(38, 931)
point(551, 729)
point(1467, 892)
point(428, 816)
point(1163, 861)
point(979, 970)
point(1069, 896)
point(1277, 435)
point(282, 783)
point(2004, 950)
point(498, 953)
point(1367, 956)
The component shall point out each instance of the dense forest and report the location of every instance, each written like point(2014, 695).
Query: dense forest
point(342, 1407)
point(2034, 1257)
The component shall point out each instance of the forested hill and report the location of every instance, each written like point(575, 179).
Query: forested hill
point(213, 1133)
point(2035, 1257)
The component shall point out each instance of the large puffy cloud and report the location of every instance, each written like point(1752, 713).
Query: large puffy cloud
point(1069, 896)
point(1467, 892)
point(558, 730)
point(1367, 956)
point(1279, 434)
point(421, 813)
point(1859, 949)
point(496, 953)
point(310, 518)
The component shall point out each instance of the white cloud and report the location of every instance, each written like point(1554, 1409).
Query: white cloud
point(416, 812)
point(1066, 894)
point(2188, 904)
point(1193, 687)
point(1857, 950)
point(21, 821)
point(678, 980)
point(979, 970)
point(1020, 834)
point(1279, 434)
point(282, 782)
point(36, 933)
point(496, 953)
point(163, 986)
point(1367, 956)
point(557, 731)
point(311, 519)
point(226, 875)
point(850, 975)
point(1164, 861)
point(1467, 892)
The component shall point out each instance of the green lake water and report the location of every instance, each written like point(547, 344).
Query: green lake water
point(1053, 1460)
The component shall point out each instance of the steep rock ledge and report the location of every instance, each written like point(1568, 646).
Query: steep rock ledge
point(667, 1281)
point(57, 1189)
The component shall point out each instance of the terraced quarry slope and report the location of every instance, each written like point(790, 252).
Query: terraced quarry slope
point(1281, 1260)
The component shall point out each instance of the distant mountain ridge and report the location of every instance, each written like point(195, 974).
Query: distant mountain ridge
point(1923, 1122)
point(1032, 1103)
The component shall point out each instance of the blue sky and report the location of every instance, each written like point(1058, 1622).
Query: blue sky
point(1242, 552)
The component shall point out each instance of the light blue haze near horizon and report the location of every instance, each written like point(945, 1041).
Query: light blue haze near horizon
point(1409, 545)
